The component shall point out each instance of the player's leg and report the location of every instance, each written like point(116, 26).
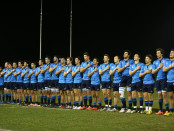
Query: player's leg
point(160, 97)
point(150, 96)
point(108, 86)
point(76, 97)
point(134, 98)
point(99, 98)
point(164, 94)
point(58, 94)
point(129, 92)
point(89, 94)
point(104, 91)
point(84, 92)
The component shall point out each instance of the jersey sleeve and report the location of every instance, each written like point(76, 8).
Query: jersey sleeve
point(120, 64)
point(142, 69)
point(154, 66)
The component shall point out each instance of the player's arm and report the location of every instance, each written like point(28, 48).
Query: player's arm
point(10, 73)
point(66, 73)
point(2, 73)
point(74, 73)
point(59, 71)
point(103, 71)
point(43, 71)
point(29, 75)
point(91, 73)
point(23, 74)
point(134, 71)
point(165, 69)
point(154, 71)
point(82, 69)
point(16, 74)
point(146, 72)
point(113, 71)
point(37, 73)
point(121, 69)
point(52, 69)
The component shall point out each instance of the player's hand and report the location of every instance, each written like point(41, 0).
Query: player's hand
point(32, 72)
point(138, 67)
point(26, 71)
point(107, 68)
point(173, 65)
point(63, 69)
point(14, 70)
point(161, 65)
point(78, 69)
point(95, 69)
point(89, 65)
point(69, 70)
point(128, 64)
point(148, 71)
point(116, 68)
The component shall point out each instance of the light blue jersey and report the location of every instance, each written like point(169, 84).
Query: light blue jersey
point(61, 77)
point(26, 79)
point(18, 77)
point(9, 78)
point(47, 74)
point(123, 64)
point(40, 77)
point(148, 78)
point(85, 73)
point(136, 76)
point(54, 76)
point(33, 77)
point(170, 73)
point(105, 77)
point(160, 74)
point(69, 78)
point(117, 76)
point(78, 76)
point(95, 78)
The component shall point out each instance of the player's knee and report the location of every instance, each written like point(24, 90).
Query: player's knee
point(121, 91)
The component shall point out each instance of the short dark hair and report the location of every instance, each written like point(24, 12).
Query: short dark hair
point(161, 50)
point(96, 59)
point(129, 52)
point(86, 53)
point(107, 55)
point(15, 62)
point(137, 54)
point(78, 58)
point(70, 58)
point(150, 56)
point(172, 49)
point(118, 57)
point(27, 62)
point(33, 63)
point(9, 63)
point(41, 60)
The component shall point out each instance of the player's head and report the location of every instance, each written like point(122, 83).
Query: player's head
point(26, 63)
point(77, 60)
point(63, 61)
point(14, 64)
point(47, 60)
point(106, 58)
point(116, 59)
point(6, 64)
point(95, 61)
point(148, 59)
point(159, 53)
point(41, 61)
point(86, 56)
point(33, 65)
point(69, 60)
point(20, 64)
point(172, 54)
point(0, 69)
point(136, 57)
point(55, 58)
point(126, 54)
point(9, 65)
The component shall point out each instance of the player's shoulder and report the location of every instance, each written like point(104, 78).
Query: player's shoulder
point(166, 59)
point(111, 64)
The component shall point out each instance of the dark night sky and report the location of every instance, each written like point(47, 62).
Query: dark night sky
point(99, 27)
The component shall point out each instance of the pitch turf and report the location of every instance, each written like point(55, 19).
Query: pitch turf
point(16, 117)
